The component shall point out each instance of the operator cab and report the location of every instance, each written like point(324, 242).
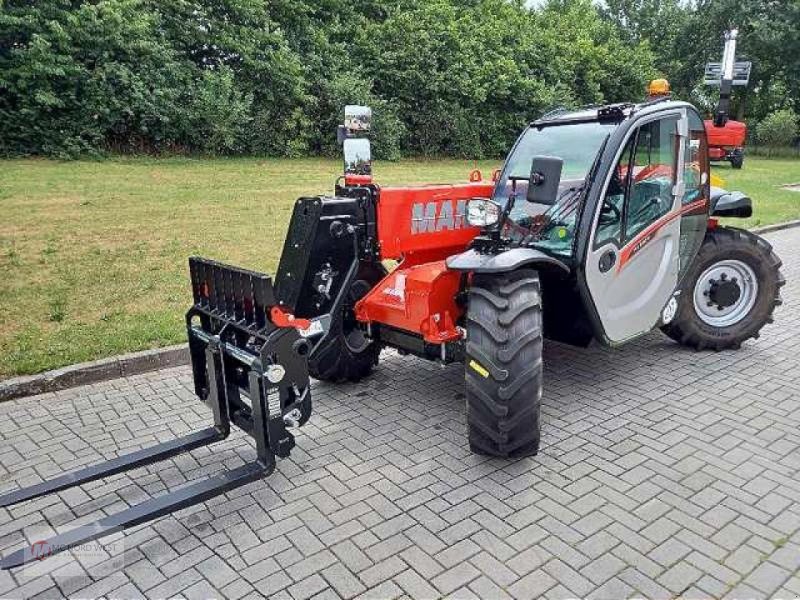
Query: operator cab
point(620, 196)
point(602, 148)
point(576, 139)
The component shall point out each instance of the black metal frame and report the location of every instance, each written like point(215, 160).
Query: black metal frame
point(326, 234)
point(246, 369)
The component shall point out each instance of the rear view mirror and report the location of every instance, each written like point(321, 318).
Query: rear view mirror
point(357, 119)
point(544, 180)
point(357, 157)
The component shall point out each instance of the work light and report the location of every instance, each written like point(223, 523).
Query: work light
point(482, 212)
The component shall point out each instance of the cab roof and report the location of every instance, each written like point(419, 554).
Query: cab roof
point(608, 112)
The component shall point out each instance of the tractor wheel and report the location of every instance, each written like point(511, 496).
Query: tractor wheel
point(737, 160)
point(729, 292)
point(503, 364)
point(349, 355)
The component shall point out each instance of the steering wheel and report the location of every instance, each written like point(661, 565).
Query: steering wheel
point(605, 218)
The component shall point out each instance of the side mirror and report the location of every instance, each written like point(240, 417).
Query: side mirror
point(357, 119)
point(357, 157)
point(544, 179)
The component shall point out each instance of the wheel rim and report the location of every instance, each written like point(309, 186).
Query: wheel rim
point(725, 293)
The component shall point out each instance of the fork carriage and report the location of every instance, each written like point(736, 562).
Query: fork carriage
point(249, 367)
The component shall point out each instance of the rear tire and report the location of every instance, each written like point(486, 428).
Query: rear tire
point(349, 355)
point(746, 305)
point(503, 365)
point(737, 160)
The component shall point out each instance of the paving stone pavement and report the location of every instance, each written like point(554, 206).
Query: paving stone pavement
point(664, 473)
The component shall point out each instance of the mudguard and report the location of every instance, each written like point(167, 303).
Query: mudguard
point(475, 262)
point(730, 204)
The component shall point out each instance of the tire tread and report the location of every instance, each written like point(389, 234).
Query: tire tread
point(504, 333)
point(723, 242)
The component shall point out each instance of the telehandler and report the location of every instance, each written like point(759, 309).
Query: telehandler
point(726, 137)
point(601, 225)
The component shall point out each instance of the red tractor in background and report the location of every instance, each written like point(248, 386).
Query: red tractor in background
point(726, 143)
point(600, 226)
point(726, 138)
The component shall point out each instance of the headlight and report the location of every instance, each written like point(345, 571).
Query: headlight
point(482, 212)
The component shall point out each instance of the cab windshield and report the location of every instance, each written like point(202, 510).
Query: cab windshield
point(551, 228)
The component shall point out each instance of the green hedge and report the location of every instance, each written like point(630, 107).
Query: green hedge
point(445, 77)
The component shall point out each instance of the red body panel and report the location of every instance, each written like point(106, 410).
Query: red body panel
point(421, 227)
point(419, 299)
point(732, 135)
point(357, 179)
point(440, 229)
point(717, 153)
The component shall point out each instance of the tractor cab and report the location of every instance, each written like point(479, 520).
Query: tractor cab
point(618, 195)
point(619, 198)
point(549, 223)
point(619, 160)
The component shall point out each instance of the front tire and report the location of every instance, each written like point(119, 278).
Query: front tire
point(503, 365)
point(737, 160)
point(729, 292)
point(349, 355)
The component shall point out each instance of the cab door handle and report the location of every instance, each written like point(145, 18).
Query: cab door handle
point(607, 261)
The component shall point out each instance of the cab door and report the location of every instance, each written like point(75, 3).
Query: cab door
point(633, 261)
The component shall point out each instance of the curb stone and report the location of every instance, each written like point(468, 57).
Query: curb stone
point(91, 372)
point(776, 227)
point(148, 360)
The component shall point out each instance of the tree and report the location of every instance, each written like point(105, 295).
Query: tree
point(445, 77)
point(779, 129)
point(691, 34)
point(76, 77)
point(658, 23)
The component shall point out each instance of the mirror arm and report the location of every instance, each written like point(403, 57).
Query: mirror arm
point(512, 198)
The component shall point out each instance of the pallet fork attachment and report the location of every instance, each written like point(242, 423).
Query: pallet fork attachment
point(248, 370)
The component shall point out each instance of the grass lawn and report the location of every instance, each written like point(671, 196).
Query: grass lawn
point(93, 254)
point(762, 178)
